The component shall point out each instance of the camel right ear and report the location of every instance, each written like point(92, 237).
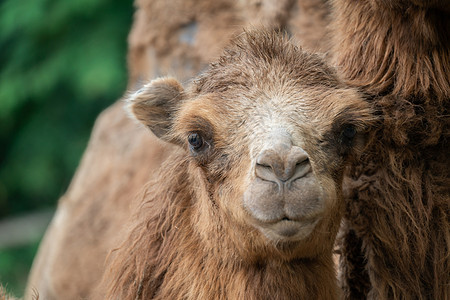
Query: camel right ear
point(154, 105)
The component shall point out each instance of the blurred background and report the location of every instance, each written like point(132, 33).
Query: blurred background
point(61, 64)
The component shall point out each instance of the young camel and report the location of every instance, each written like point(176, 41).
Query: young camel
point(249, 204)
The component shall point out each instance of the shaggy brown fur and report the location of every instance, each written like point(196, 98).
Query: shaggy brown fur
point(396, 238)
point(191, 237)
point(164, 258)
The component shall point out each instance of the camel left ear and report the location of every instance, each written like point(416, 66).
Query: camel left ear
point(154, 105)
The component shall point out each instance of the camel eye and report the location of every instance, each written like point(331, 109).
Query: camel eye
point(349, 132)
point(195, 141)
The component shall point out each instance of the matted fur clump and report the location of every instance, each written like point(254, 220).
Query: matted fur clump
point(396, 237)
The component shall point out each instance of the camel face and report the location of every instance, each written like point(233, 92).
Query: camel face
point(273, 157)
point(267, 132)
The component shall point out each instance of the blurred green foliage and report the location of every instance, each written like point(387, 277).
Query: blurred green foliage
point(14, 266)
point(61, 63)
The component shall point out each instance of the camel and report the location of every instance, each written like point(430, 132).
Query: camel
point(249, 204)
point(167, 37)
point(395, 235)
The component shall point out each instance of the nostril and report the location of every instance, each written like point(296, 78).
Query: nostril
point(302, 162)
point(265, 172)
point(298, 156)
point(299, 162)
point(282, 166)
point(263, 165)
point(265, 159)
point(301, 169)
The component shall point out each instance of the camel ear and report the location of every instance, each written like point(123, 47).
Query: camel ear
point(154, 105)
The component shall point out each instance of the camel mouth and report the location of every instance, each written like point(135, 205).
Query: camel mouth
point(287, 229)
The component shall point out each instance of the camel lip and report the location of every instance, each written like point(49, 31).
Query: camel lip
point(288, 229)
point(278, 220)
point(284, 219)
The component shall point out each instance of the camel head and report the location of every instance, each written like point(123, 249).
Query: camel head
point(267, 132)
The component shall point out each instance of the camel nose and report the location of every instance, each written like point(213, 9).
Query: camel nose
point(282, 163)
